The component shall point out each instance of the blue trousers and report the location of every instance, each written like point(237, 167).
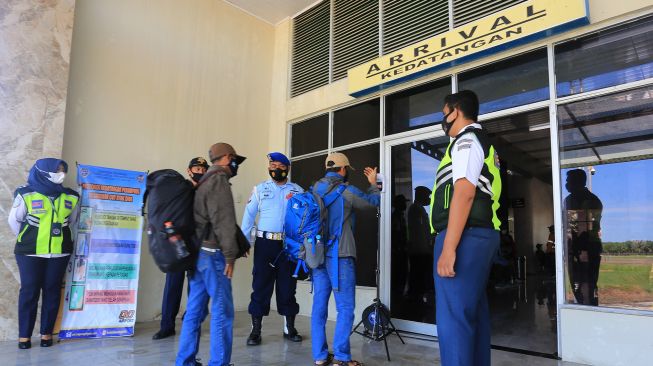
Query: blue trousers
point(345, 304)
point(265, 278)
point(39, 275)
point(208, 281)
point(171, 299)
point(462, 314)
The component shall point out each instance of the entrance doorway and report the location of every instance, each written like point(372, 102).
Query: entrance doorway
point(521, 287)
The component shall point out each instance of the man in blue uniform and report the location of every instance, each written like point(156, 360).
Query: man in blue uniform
point(464, 206)
point(174, 286)
point(271, 266)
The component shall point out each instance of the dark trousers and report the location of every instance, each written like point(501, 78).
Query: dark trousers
point(39, 275)
point(171, 299)
point(268, 252)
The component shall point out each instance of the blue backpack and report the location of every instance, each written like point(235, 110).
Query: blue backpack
point(306, 227)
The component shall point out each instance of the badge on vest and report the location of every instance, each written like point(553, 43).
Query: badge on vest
point(56, 229)
point(68, 204)
point(36, 204)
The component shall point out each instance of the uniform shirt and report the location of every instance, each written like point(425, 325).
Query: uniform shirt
point(467, 157)
point(18, 214)
point(269, 201)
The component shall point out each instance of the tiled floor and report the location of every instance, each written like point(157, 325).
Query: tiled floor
point(141, 350)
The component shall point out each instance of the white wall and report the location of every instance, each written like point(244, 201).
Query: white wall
point(154, 83)
point(604, 338)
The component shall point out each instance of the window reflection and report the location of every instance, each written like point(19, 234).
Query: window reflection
point(310, 136)
point(607, 157)
point(412, 288)
point(519, 80)
point(417, 107)
point(610, 57)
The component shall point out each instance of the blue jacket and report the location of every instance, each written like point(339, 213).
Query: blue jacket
point(342, 216)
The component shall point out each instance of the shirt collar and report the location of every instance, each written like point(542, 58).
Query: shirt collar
point(473, 125)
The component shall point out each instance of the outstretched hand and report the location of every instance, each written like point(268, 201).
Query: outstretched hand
point(370, 173)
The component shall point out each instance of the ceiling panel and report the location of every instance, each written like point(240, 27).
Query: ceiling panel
point(272, 11)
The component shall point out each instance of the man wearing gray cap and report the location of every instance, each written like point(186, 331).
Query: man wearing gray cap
point(338, 273)
point(215, 220)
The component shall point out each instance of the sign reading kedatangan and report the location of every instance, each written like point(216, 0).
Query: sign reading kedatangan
point(519, 24)
point(102, 275)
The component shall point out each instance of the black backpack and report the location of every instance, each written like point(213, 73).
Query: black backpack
point(169, 198)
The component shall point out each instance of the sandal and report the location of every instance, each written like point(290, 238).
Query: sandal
point(347, 363)
point(325, 362)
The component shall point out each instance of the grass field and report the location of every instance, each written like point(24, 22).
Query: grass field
point(627, 281)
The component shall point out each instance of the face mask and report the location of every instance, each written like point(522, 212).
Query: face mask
point(446, 126)
point(196, 177)
point(57, 178)
point(278, 174)
point(234, 167)
point(346, 177)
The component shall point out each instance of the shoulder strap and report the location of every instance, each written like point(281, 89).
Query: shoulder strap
point(341, 187)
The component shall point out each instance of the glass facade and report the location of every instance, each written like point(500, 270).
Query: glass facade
point(604, 157)
point(610, 57)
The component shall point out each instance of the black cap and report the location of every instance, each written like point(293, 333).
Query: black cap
point(198, 161)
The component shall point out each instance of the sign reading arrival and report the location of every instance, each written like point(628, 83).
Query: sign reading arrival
point(518, 24)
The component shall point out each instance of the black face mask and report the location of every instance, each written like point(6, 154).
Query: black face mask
point(233, 165)
point(196, 177)
point(278, 174)
point(346, 177)
point(446, 126)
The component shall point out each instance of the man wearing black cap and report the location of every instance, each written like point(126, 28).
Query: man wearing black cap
point(172, 291)
point(215, 225)
point(268, 201)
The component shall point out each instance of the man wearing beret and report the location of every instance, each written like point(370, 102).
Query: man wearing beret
point(172, 291)
point(271, 267)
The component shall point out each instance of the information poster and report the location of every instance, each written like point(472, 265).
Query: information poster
point(102, 275)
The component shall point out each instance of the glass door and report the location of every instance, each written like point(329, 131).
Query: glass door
point(413, 163)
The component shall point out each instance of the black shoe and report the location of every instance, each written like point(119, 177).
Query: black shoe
point(163, 334)
point(290, 332)
point(46, 342)
point(254, 338)
point(25, 345)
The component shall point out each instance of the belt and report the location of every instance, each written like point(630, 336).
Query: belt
point(269, 235)
point(210, 250)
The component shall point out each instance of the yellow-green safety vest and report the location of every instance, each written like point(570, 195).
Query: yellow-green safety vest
point(46, 228)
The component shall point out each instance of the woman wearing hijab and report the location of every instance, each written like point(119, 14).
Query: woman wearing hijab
point(41, 217)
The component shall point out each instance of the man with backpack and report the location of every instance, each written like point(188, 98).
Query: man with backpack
point(174, 286)
point(338, 273)
point(215, 225)
point(268, 201)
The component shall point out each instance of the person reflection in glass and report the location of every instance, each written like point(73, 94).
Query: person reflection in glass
point(399, 251)
point(420, 246)
point(583, 223)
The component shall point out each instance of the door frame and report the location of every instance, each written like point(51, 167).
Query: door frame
point(385, 277)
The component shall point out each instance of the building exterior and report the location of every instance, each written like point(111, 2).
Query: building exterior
point(564, 85)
